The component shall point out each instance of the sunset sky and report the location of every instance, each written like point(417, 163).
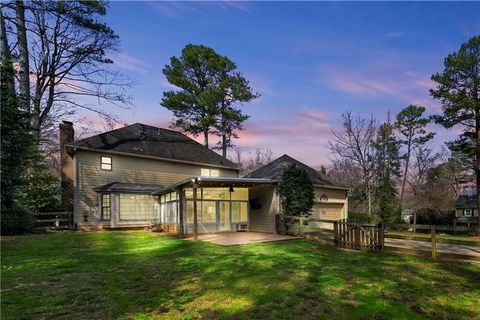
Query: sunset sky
point(309, 61)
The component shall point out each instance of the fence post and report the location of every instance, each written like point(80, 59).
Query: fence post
point(434, 242)
point(335, 232)
point(357, 236)
point(381, 236)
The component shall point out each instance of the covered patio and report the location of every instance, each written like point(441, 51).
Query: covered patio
point(239, 238)
point(209, 205)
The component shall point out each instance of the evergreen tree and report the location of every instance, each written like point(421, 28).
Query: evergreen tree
point(458, 90)
point(296, 191)
point(209, 88)
point(387, 200)
point(411, 124)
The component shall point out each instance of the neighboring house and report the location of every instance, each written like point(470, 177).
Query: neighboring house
point(139, 175)
point(466, 211)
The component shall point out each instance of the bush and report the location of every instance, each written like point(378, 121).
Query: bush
point(435, 216)
point(296, 191)
point(16, 220)
point(361, 217)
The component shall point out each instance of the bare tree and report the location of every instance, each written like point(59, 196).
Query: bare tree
point(254, 161)
point(68, 62)
point(354, 145)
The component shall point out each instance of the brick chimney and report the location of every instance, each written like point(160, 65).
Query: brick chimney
point(66, 165)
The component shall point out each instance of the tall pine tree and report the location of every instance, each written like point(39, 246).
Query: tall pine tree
point(458, 90)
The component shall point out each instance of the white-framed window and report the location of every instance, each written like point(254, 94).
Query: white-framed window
point(467, 212)
point(205, 172)
point(136, 206)
point(106, 163)
point(105, 207)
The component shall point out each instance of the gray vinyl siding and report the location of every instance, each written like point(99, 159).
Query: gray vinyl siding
point(263, 219)
point(124, 169)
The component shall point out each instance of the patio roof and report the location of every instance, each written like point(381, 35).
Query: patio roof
point(214, 182)
point(128, 187)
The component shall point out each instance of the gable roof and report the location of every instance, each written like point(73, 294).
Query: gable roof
point(148, 141)
point(466, 201)
point(274, 170)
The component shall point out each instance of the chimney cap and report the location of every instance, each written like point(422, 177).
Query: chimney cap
point(67, 122)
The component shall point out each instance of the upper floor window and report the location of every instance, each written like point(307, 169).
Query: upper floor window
point(106, 163)
point(209, 172)
point(467, 212)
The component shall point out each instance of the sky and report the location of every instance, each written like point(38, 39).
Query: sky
point(310, 61)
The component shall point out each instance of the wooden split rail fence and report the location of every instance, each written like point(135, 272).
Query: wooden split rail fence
point(345, 234)
point(54, 220)
point(363, 236)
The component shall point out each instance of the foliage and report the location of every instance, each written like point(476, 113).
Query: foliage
point(209, 88)
point(296, 191)
point(361, 217)
point(16, 220)
point(387, 153)
point(323, 170)
point(435, 216)
point(458, 91)
point(411, 124)
point(107, 275)
point(26, 186)
point(16, 154)
point(41, 190)
point(387, 200)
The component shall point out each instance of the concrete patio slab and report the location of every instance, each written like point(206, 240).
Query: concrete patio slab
point(238, 238)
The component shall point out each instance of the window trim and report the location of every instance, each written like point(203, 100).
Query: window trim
point(102, 207)
point(468, 210)
point(109, 164)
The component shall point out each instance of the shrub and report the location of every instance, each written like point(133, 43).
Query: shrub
point(435, 216)
point(361, 217)
point(16, 220)
point(296, 191)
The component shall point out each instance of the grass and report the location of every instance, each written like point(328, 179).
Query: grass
point(140, 275)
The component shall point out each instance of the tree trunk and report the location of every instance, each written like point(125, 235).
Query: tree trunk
point(224, 145)
point(477, 161)
point(405, 173)
point(6, 55)
point(24, 78)
point(205, 137)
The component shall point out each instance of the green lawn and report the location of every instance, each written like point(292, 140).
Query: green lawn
point(140, 275)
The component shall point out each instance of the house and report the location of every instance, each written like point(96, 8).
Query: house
point(466, 211)
point(139, 175)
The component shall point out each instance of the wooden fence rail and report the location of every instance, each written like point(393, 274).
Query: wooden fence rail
point(372, 236)
point(358, 236)
point(54, 220)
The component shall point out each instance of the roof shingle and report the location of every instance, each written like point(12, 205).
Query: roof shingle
point(144, 140)
point(274, 170)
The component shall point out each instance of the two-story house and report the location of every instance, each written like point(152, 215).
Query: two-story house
point(139, 175)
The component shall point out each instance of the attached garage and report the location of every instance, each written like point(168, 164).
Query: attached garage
point(330, 211)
